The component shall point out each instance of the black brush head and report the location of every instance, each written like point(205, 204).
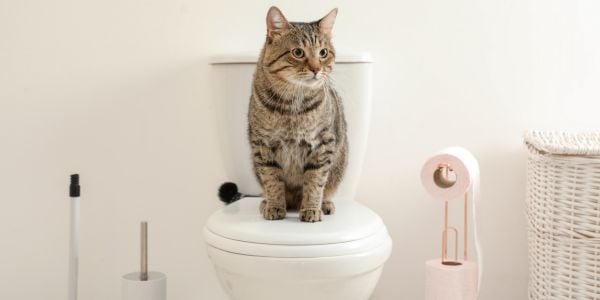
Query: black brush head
point(74, 188)
point(228, 192)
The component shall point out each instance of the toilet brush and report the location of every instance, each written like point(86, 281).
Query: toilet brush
point(144, 285)
point(74, 193)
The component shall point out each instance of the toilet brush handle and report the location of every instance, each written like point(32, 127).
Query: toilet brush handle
point(144, 252)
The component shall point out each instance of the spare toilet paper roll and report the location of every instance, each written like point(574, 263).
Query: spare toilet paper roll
point(463, 164)
point(155, 288)
point(450, 282)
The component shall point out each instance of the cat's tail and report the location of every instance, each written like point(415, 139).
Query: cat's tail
point(228, 193)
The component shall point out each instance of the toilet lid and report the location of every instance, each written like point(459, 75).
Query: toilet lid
point(240, 228)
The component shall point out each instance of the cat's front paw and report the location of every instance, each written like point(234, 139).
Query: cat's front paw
point(310, 215)
point(271, 212)
point(328, 208)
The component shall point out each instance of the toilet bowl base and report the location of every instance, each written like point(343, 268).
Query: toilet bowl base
point(348, 277)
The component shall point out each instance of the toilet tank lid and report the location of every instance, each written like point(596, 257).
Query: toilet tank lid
point(250, 57)
point(241, 221)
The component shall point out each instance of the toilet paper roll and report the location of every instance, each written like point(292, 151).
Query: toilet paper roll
point(465, 167)
point(155, 288)
point(450, 282)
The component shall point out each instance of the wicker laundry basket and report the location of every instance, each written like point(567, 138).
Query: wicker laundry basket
point(563, 210)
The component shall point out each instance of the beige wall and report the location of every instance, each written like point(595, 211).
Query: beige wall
point(118, 91)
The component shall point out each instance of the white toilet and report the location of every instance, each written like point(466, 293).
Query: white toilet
point(340, 258)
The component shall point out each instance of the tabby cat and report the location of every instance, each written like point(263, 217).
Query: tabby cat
point(297, 129)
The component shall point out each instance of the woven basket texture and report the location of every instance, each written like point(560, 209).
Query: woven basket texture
point(563, 212)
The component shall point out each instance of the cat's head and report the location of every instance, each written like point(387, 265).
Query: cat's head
point(299, 53)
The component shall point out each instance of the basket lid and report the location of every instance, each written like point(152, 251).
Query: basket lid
point(564, 143)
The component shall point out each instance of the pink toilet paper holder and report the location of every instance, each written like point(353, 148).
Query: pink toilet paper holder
point(442, 178)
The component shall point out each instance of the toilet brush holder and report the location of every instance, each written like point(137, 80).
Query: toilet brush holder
point(144, 285)
point(154, 288)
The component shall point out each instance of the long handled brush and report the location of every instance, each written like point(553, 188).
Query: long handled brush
point(74, 193)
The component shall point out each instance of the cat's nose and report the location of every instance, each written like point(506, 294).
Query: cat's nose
point(315, 70)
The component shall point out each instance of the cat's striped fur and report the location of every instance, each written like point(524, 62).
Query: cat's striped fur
point(297, 129)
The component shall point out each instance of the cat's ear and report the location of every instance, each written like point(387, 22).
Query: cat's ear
point(326, 23)
point(276, 22)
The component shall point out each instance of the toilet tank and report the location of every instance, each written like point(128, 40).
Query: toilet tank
point(231, 77)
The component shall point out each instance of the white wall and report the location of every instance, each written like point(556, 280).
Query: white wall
point(118, 91)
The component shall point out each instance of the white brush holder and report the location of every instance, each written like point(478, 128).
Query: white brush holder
point(133, 288)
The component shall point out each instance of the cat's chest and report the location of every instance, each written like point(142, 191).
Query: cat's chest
point(291, 144)
point(289, 134)
point(292, 154)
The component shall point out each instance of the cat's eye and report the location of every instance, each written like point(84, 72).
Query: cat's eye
point(298, 53)
point(323, 53)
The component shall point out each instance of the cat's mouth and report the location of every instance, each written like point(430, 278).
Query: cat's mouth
point(314, 81)
point(308, 81)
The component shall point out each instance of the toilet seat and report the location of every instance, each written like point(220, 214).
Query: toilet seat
point(239, 228)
